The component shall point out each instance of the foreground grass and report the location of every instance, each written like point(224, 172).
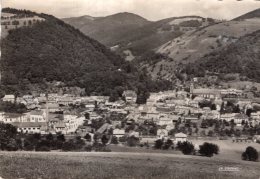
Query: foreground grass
point(118, 165)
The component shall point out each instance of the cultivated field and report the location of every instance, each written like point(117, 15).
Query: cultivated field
point(120, 165)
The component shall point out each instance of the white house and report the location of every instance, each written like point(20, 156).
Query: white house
point(30, 127)
point(161, 133)
point(13, 117)
point(130, 96)
point(9, 98)
point(119, 132)
point(180, 137)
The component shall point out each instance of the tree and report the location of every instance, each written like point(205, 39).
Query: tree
point(43, 145)
point(236, 109)
point(104, 139)
point(187, 148)
point(68, 146)
point(250, 154)
point(213, 107)
point(7, 136)
point(49, 137)
point(167, 144)
point(88, 137)
point(113, 96)
point(60, 137)
point(248, 112)
point(208, 149)
point(114, 140)
point(158, 144)
point(87, 115)
point(222, 108)
point(79, 143)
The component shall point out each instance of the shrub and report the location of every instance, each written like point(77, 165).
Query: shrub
point(79, 143)
point(187, 148)
point(28, 146)
point(12, 145)
point(43, 145)
point(68, 146)
point(167, 144)
point(208, 149)
point(132, 141)
point(250, 154)
point(88, 148)
point(104, 139)
point(88, 137)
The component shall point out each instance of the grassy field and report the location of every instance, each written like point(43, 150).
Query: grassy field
point(119, 165)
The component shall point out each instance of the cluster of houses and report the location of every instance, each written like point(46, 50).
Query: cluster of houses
point(52, 112)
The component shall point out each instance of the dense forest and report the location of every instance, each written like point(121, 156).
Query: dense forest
point(242, 57)
point(54, 51)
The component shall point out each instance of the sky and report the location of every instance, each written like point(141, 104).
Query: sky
point(149, 9)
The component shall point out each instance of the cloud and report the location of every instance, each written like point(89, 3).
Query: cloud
point(150, 9)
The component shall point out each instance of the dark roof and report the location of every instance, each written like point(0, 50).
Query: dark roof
point(29, 124)
point(36, 112)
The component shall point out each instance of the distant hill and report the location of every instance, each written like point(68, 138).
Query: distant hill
point(140, 38)
point(194, 45)
point(107, 29)
point(249, 15)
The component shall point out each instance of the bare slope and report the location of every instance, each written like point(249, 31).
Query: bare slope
point(192, 46)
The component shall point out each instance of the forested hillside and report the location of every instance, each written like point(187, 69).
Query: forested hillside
point(54, 51)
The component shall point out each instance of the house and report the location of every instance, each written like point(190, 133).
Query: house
point(65, 100)
point(116, 123)
point(52, 107)
point(214, 114)
point(52, 98)
point(73, 121)
point(227, 116)
point(133, 133)
point(167, 119)
point(37, 116)
point(119, 132)
point(207, 93)
point(231, 91)
point(192, 118)
point(54, 118)
point(30, 127)
point(130, 96)
point(164, 120)
point(170, 127)
point(60, 127)
point(9, 98)
point(161, 133)
point(256, 138)
point(14, 117)
point(180, 137)
point(239, 118)
point(193, 103)
point(255, 115)
point(90, 107)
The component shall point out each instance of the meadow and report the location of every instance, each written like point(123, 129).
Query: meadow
point(68, 165)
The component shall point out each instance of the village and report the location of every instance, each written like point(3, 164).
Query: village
point(178, 115)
